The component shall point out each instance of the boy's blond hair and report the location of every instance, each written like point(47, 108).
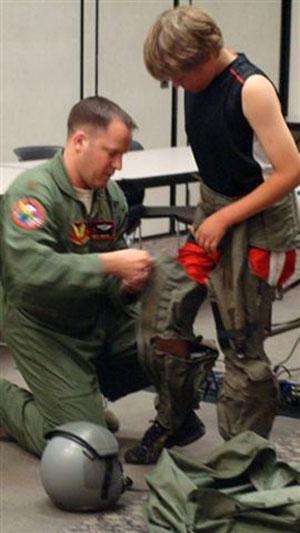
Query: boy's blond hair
point(180, 39)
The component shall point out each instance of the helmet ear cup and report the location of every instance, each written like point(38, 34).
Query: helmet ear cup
point(80, 469)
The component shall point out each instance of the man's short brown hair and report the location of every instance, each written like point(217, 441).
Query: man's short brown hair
point(98, 112)
point(179, 40)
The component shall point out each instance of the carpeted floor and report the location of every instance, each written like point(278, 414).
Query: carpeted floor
point(126, 517)
point(24, 505)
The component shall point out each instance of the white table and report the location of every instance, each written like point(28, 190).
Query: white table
point(153, 168)
point(159, 166)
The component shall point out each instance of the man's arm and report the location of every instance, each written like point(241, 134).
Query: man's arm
point(34, 259)
point(132, 266)
point(261, 108)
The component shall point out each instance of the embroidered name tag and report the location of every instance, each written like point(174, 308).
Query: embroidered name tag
point(101, 230)
point(92, 230)
point(28, 213)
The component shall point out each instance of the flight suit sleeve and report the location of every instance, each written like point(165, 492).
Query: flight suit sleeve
point(32, 257)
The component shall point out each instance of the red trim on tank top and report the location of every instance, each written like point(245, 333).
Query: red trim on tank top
point(237, 76)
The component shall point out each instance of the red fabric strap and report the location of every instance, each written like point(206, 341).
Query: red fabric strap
point(197, 262)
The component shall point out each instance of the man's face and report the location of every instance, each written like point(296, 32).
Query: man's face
point(198, 78)
point(99, 153)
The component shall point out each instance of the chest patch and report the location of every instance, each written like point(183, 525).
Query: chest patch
point(79, 233)
point(92, 230)
point(28, 213)
point(101, 230)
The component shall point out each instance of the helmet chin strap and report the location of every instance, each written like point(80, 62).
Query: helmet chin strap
point(126, 480)
point(107, 477)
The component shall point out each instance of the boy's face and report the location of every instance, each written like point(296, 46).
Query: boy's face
point(197, 78)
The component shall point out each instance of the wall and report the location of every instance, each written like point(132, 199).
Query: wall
point(122, 76)
point(40, 68)
point(39, 71)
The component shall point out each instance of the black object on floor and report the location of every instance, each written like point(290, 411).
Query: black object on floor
point(289, 404)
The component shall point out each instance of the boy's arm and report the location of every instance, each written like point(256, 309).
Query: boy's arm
point(261, 108)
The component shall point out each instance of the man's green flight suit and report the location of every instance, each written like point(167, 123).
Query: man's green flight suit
point(71, 331)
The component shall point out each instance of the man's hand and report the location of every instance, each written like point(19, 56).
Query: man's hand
point(131, 265)
point(136, 284)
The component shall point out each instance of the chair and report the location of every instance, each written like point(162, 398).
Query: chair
point(30, 153)
point(137, 210)
point(134, 194)
point(183, 214)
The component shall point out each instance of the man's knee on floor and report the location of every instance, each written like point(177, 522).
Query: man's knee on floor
point(39, 438)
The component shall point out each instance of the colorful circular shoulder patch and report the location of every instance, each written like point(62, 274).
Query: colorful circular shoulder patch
point(28, 213)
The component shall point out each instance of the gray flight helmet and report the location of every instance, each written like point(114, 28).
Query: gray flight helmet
point(80, 469)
